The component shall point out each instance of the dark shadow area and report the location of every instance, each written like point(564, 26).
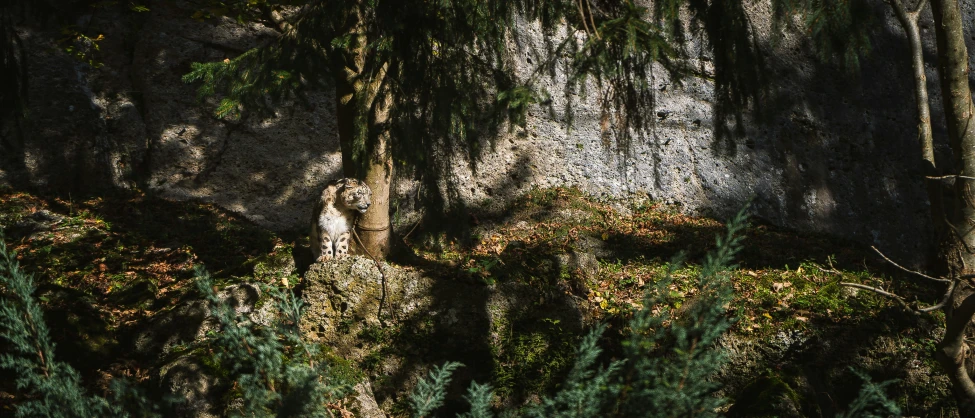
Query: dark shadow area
point(518, 337)
point(542, 280)
point(812, 365)
point(817, 375)
point(115, 272)
point(841, 144)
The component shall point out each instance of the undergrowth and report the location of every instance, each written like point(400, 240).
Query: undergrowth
point(132, 257)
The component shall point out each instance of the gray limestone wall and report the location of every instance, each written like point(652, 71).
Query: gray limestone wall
point(820, 151)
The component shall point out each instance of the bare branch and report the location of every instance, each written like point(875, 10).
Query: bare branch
point(582, 16)
point(944, 300)
point(883, 293)
point(940, 280)
point(950, 176)
point(901, 301)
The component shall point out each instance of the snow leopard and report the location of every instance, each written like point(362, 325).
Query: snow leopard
point(334, 216)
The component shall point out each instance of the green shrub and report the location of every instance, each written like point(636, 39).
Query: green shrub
point(668, 364)
point(46, 387)
point(275, 371)
point(666, 369)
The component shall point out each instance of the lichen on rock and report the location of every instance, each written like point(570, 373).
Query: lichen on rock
point(351, 291)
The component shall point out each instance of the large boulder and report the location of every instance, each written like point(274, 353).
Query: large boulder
point(425, 322)
point(354, 292)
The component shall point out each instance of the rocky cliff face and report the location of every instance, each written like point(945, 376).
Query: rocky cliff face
point(818, 151)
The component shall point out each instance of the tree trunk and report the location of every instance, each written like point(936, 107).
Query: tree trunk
point(375, 226)
point(362, 125)
point(957, 96)
point(908, 20)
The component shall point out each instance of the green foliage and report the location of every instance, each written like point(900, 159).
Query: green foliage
point(49, 387)
point(670, 365)
point(275, 371)
point(424, 49)
point(872, 402)
point(244, 86)
point(430, 392)
point(624, 42)
point(81, 46)
point(479, 397)
point(668, 361)
point(587, 389)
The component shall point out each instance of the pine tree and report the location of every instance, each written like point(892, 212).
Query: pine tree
point(417, 81)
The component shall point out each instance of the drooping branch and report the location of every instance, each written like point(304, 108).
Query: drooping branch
point(917, 273)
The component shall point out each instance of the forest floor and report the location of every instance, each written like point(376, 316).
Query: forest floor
point(106, 265)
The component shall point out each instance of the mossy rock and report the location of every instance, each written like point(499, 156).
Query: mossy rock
point(274, 266)
point(193, 381)
point(350, 291)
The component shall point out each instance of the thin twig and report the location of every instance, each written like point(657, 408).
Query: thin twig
point(951, 289)
point(950, 176)
point(593, 21)
point(909, 270)
point(881, 292)
point(582, 16)
point(413, 228)
point(831, 269)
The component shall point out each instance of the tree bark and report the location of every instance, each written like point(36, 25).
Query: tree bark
point(908, 20)
point(953, 71)
point(361, 117)
point(374, 226)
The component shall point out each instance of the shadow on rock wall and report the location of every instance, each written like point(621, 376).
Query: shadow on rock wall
point(818, 150)
point(130, 122)
point(824, 150)
point(268, 170)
